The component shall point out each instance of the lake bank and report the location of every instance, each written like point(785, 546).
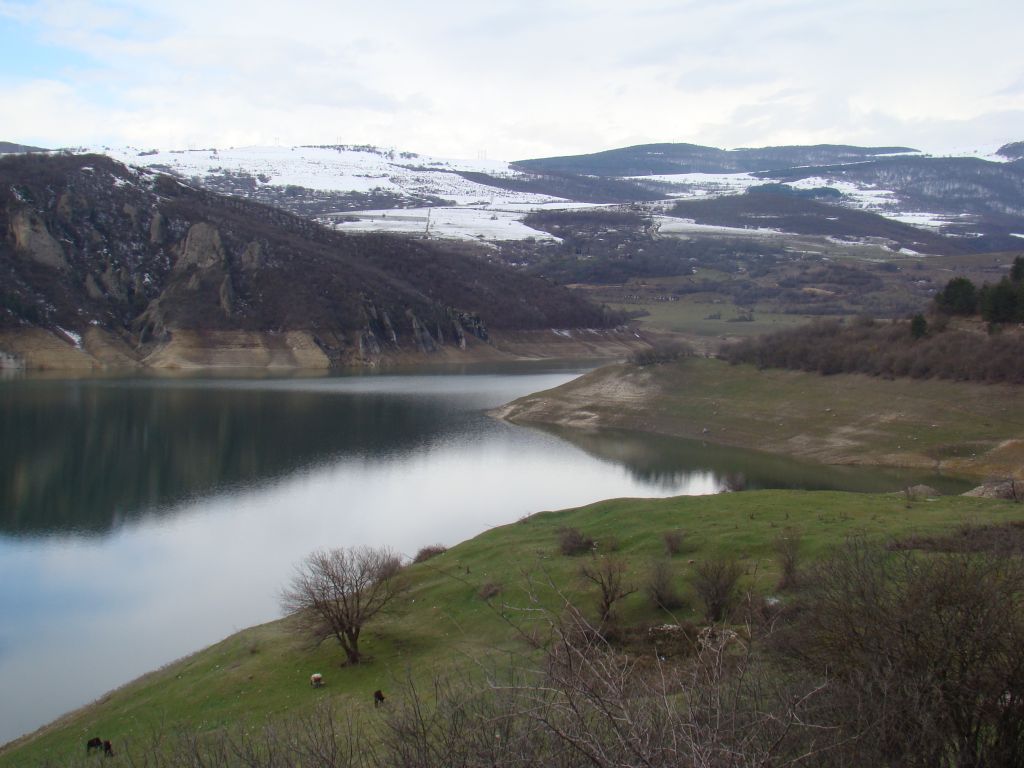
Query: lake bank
point(36, 349)
point(261, 673)
point(956, 428)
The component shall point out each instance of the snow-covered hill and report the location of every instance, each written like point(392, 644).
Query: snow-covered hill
point(319, 181)
point(360, 187)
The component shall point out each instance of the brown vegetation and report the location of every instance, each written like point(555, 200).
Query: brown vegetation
point(429, 551)
point(886, 349)
point(572, 541)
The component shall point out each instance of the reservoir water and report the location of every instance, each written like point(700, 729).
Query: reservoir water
point(142, 519)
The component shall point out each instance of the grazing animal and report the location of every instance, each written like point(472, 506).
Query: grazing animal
point(316, 680)
point(97, 743)
point(378, 698)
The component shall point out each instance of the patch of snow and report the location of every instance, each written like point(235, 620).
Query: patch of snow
point(670, 225)
point(697, 185)
point(984, 152)
point(459, 223)
point(330, 169)
point(1016, 234)
point(924, 220)
point(563, 334)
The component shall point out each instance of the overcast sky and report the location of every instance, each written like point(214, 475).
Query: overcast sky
point(511, 78)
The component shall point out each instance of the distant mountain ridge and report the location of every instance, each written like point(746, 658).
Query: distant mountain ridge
point(9, 148)
point(656, 159)
point(979, 200)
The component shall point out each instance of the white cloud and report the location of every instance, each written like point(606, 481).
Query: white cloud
point(521, 78)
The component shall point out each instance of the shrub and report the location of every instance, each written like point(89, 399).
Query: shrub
point(607, 574)
point(661, 588)
point(923, 652)
point(716, 584)
point(661, 352)
point(488, 590)
point(674, 542)
point(572, 541)
point(429, 551)
point(787, 554)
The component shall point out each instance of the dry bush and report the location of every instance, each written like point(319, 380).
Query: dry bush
point(831, 346)
point(488, 590)
point(608, 575)
point(924, 651)
point(662, 352)
point(429, 551)
point(572, 541)
point(661, 587)
point(1000, 538)
point(787, 555)
point(716, 582)
point(675, 541)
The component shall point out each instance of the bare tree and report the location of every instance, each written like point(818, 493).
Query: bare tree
point(787, 555)
point(335, 593)
point(716, 583)
point(606, 573)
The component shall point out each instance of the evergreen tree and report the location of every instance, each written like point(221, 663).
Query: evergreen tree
point(959, 297)
point(918, 326)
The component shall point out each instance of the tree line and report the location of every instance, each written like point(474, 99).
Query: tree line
point(916, 349)
point(999, 303)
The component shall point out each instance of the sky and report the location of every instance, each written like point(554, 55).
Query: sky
point(511, 79)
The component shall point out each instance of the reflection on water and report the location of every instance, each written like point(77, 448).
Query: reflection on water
point(143, 519)
point(667, 461)
point(86, 456)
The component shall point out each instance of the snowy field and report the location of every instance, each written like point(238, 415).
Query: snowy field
point(336, 169)
point(461, 223)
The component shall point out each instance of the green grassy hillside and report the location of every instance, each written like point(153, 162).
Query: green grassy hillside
point(444, 623)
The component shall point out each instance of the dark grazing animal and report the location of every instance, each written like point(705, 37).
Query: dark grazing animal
point(97, 743)
point(378, 698)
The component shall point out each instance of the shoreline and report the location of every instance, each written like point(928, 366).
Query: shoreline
point(973, 431)
point(35, 350)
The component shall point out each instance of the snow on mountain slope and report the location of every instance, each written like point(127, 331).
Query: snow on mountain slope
point(359, 177)
point(334, 168)
point(689, 186)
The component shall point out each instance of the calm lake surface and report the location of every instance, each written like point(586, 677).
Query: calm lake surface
point(142, 519)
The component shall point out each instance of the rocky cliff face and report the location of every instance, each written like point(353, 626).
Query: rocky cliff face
point(88, 245)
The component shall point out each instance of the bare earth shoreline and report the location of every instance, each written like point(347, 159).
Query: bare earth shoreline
point(955, 428)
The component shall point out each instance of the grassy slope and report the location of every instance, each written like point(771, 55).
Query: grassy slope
point(958, 428)
point(264, 670)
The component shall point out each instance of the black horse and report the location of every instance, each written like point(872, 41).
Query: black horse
point(97, 743)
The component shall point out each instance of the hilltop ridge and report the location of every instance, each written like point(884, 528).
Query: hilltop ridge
point(152, 270)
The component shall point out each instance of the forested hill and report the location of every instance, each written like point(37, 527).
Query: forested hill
point(89, 242)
